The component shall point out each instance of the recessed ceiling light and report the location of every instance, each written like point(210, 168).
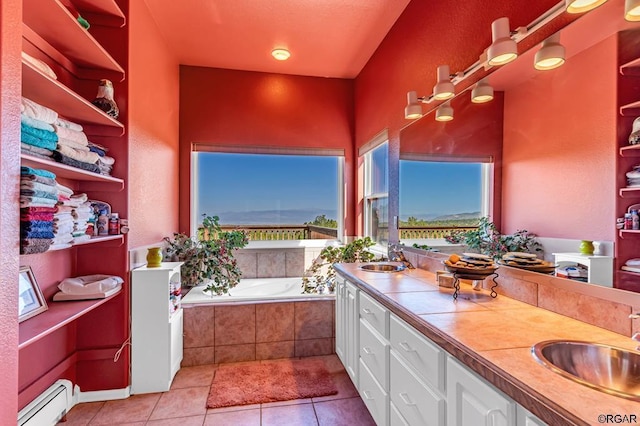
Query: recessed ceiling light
point(280, 54)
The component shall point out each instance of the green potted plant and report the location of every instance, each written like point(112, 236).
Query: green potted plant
point(321, 275)
point(209, 257)
point(486, 239)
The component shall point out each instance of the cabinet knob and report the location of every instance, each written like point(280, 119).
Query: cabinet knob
point(367, 350)
point(367, 395)
point(367, 311)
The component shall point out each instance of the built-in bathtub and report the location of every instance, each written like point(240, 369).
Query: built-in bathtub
point(254, 290)
point(262, 318)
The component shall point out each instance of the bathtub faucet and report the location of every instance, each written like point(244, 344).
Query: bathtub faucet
point(395, 254)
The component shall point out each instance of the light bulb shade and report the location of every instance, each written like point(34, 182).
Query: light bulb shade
point(280, 54)
point(413, 109)
point(444, 113)
point(444, 88)
point(581, 6)
point(632, 10)
point(503, 49)
point(550, 55)
point(482, 92)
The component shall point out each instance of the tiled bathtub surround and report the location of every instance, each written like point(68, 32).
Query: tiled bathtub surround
point(600, 306)
point(275, 262)
point(247, 332)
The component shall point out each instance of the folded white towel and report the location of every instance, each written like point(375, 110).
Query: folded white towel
point(79, 155)
point(90, 284)
point(72, 135)
point(35, 110)
point(107, 161)
point(35, 123)
point(61, 122)
point(42, 66)
point(72, 144)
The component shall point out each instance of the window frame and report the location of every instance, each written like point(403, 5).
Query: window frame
point(368, 196)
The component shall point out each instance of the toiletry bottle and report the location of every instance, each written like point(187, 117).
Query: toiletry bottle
point(103, 223)
point(114, 224)
point(628, 221)
point(635, 219)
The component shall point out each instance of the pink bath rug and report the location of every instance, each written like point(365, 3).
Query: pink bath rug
point(269, 381)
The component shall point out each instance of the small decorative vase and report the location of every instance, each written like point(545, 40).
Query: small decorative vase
point(586, 247)
point(154, 257)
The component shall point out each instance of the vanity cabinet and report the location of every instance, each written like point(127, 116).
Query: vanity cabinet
point(473, 401)
point(347, 327)
point(156, 328)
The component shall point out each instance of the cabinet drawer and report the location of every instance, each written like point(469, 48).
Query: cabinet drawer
point(374, 397)
point(425, 357)
point(395, 418)
point(374, 352)
point(376, 314)
point(418, 404)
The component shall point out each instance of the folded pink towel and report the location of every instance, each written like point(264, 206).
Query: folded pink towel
point(35, 110)
point(72, 135)
point(61, 122)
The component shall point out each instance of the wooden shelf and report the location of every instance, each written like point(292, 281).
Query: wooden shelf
point(101, 12)
point(630, 110)
point(52, 23)
point(628, 233)
point(58, 315)
point(630, 151)
point(630, 192)
point(94, 240)
point(55, 95)
point(631, 68)
point(68, 172)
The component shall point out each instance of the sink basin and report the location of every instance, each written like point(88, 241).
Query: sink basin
point(609, 369)
point(382, 267)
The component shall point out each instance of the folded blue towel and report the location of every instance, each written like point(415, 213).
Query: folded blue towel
point(37, 234)
point(36, 141)
point(39, 133)
point(36, 225)
point(26, 170)
point(39, 193)
point(97, 150)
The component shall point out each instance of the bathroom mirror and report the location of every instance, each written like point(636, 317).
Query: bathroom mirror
point(547, 143)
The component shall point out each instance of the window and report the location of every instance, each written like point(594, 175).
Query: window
point(376, 194)
point(272, 197)
point(436, 196)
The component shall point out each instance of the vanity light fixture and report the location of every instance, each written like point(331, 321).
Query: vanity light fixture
point(413, 110)
point(581, 6)
point(632, 10)
point(280, 54)
point(444, 88)
point(551, 54)
point(482, 92)
point(444, 112)
point(503, 49)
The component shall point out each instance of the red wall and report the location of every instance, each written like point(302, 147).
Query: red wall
point(227, 107)
point(154, 85)
point(560, 149)
point(10, 45)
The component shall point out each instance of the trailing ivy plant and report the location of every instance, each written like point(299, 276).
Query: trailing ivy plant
point(209, 257)
point(321, 275)
point(486, 239)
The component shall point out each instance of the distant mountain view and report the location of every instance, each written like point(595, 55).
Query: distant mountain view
point(457, 219)
point(273, 217)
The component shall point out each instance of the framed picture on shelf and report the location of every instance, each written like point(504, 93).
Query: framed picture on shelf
point(31, 302)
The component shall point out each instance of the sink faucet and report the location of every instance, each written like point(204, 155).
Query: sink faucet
point(395, 254)
point(636, 336)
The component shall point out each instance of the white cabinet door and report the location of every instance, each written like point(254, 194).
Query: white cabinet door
point(374, 397)
point(526, 418)
point(472, 401)
point(341, 326)
point(417, 403)
point(352, 336)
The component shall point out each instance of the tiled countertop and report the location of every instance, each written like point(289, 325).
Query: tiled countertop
point(493, 337)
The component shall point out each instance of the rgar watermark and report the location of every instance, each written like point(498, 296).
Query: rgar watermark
point(618, 418)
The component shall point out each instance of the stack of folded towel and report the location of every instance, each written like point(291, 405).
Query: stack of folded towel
point(633, 177)
point(63, 223)
point(37, 134)
point(81, 212)
point(44, 134)
point(38, 197)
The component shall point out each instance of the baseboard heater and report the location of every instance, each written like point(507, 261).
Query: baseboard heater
point(49, 407)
